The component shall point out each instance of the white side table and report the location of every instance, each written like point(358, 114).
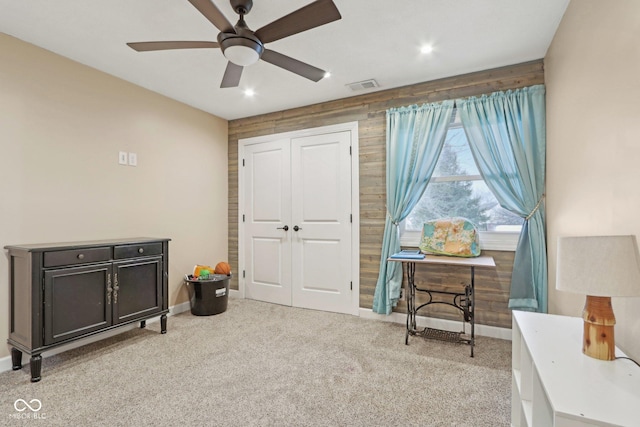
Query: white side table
point(555, 384)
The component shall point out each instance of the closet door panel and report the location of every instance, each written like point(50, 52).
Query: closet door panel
point(267, 173)
point(321, 208)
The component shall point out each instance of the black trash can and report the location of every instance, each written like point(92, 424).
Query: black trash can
point(209, 296)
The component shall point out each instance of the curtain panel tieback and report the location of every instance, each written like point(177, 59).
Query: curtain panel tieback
point(393, 221)
point(528, 217)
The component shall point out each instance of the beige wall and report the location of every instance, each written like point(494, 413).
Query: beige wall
point(593, 139)
point(61, 127)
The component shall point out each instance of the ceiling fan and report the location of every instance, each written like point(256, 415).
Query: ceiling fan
point(242, 46)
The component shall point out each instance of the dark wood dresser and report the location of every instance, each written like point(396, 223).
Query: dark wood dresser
point(62, 292)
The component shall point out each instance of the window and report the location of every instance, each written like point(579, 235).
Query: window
point(457, 189)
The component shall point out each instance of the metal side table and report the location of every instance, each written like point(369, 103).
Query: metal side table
point(463, 301)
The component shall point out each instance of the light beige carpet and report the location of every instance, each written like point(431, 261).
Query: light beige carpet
point(264, 364)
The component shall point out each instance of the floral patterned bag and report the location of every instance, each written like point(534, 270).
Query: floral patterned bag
point(450, 236)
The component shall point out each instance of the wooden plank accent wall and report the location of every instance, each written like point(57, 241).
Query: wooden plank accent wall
point(370, 112)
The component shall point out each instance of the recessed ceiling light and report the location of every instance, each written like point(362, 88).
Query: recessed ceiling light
point(426, 48)
point(327, 75)
point(249, 93)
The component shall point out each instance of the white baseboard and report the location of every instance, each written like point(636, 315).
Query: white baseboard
point(447, 325)
point(179, 308)
point(6, 365)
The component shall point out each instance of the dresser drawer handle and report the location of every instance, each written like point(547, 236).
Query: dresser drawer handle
point(141, 250)
point(80, 256)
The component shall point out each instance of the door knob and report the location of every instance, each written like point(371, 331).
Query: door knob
point(285, 228)
point(296, 228)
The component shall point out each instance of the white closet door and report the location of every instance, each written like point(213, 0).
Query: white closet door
point(267, 193)
point(321, 208)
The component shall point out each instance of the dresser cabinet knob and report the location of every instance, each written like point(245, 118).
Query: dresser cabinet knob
point(141, 250)
point(80, 256)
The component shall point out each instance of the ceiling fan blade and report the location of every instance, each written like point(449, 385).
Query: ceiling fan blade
point(232, 75)
point(149, 46)
point(313, 15)
point(293, 65)
point(213, 14)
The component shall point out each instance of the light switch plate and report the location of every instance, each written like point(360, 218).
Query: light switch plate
point(133, 159)
point(122, 157)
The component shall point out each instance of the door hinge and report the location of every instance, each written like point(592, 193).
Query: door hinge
point(243, 272)
point(242, 162)
point(242, 217)
point(351, 218)
point(349, 150)
point(351, 285)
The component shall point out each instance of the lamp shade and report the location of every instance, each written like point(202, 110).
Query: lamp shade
point(606, 266)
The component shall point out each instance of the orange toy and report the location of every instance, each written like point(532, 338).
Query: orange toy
point(222, 268)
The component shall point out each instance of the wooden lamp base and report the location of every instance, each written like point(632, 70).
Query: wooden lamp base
point(598, 340)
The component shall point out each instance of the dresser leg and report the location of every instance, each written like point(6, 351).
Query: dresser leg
point(163, 324)
point(16, 359)
point(36, 368)
point(143, 324)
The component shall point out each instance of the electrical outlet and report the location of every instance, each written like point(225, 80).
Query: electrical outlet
point(122, 157)
point(133, 159)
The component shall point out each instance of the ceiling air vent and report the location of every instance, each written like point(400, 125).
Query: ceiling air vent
point(366, 84)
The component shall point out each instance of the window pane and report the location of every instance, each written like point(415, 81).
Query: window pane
point(467, 198)
point(455, 158)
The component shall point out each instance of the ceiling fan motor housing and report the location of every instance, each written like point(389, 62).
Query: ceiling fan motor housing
point(242, 49)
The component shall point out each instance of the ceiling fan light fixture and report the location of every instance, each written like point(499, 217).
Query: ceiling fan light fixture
point(241, 51)
point(241, 55)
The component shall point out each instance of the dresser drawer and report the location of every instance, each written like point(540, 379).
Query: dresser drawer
point(76, 256)
point(137, 250)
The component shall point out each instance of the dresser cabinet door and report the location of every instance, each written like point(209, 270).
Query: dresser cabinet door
point(139, 288)
point(77, 301)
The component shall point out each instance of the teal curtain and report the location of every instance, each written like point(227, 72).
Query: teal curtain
point(415, 136)
point(507, 135)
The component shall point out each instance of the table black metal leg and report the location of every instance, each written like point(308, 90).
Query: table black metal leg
point(411, 302)
point(473, 309)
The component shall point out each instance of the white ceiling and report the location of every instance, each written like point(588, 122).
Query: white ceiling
point(375, 39)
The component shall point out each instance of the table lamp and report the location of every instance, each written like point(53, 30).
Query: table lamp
point(600, 267)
